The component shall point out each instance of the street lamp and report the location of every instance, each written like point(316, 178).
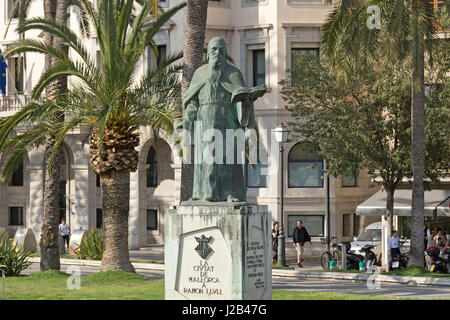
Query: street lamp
point(281, 135)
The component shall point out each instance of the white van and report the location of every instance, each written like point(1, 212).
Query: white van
point(369, 235)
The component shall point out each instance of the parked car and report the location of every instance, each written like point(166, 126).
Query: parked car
point(370, 235)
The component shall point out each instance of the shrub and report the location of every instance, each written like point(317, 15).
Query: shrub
point(91, 246)
point(13, 260)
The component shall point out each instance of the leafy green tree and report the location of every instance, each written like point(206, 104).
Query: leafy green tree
point(366, 123)
point(108, 97)
point(351, 35)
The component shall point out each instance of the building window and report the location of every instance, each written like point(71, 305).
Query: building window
point(162, 53)
point(152, 61)
point(314, 224)
point(17, 178)
point(349, 180)
point(152, 219)
point(97, 180)
point(259, 67)
point(356, 225)
point(305, 168)
point(16, 74)
point(256, 175)
point(346, 224)
point(152, 168)
point(301, 53)
point(99, 218)
point(16, 216)
point(298, 53)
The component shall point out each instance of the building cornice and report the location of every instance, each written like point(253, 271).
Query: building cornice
point(254, 26)
point(286, 25)
point(215, 27)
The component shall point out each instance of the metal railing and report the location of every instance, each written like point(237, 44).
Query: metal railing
point(13, 103)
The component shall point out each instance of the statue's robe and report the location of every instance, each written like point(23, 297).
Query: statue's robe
point(211, 104)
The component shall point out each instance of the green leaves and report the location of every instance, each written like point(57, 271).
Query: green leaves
point(103, 92)
point(12, 260)
point(367, 122)
point(407, 28)
point(92, 245)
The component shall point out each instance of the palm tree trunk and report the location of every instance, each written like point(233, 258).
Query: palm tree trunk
point(49, 243)
point(116, 201)
point(194, 40)
point(418, 160)
point(49, 237)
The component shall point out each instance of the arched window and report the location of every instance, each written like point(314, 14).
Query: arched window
point(152, 168)
point(305, 168)
point(17, 177)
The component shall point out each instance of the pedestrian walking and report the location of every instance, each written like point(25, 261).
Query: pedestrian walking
point(300, 236)
point(64, 230)
point(275, 233)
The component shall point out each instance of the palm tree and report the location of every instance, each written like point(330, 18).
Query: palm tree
point(194, 40)
point(107, 97)
point(408, 28)
point(57, 11)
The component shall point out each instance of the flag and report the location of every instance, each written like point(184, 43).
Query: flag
point(3, 66)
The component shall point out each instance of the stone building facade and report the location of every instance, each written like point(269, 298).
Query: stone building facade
point(263, 38)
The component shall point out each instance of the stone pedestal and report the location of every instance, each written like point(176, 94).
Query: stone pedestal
point(218, 251)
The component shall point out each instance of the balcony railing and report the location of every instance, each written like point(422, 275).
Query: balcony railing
point(13, 103)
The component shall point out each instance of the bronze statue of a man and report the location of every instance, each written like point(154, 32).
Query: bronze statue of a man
point(218, 99)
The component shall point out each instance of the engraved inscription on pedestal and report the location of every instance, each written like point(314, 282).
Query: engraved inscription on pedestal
point(255, 258)
point(204, 265)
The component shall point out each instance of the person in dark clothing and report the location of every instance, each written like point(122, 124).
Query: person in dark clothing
point(275, 233)
point(300, 236)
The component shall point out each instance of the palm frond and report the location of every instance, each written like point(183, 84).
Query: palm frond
point(19, 145)
point(62, 32)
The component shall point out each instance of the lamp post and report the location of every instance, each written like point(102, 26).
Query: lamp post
point(327, 186)
point(281, 135)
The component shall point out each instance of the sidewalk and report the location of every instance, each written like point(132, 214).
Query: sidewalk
point(148, 253)
point(310, 271)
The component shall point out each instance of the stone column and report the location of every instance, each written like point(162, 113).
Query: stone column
point(133, 218)
point(177, 180)
point(34, 220)
point(80, 218)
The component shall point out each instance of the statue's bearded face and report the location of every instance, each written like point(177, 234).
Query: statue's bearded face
point(217, 54)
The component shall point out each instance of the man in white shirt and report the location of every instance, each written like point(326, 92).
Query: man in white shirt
point(394, 244)
point(64, 230)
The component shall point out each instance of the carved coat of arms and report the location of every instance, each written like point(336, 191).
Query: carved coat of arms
point(203, 249)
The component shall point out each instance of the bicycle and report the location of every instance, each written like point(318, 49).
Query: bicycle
point(327, 256)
